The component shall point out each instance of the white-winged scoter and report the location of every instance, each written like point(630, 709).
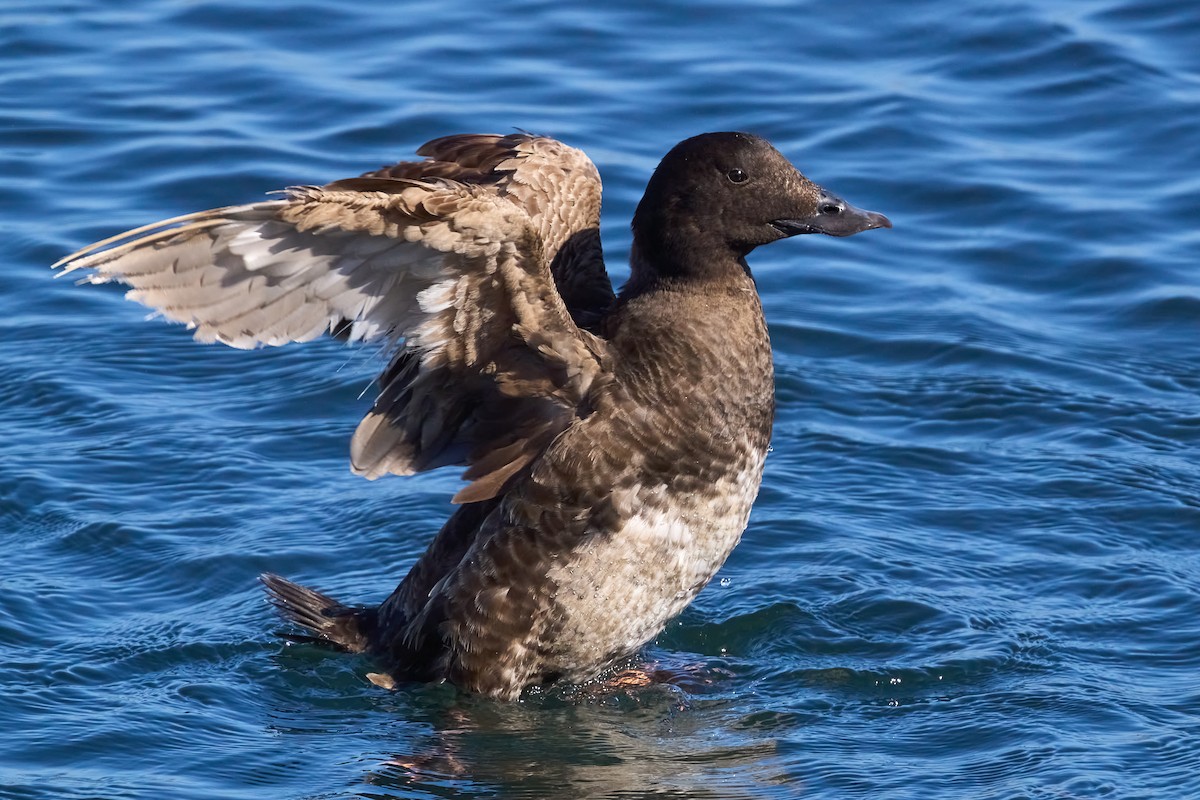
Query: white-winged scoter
point(613, 443)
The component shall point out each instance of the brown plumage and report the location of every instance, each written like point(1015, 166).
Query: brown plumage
point(612, 446)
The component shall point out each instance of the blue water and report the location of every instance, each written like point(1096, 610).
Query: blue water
point(973, 570)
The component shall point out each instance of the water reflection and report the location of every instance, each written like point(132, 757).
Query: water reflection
point(657, 741)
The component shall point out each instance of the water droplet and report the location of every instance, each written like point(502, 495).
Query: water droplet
point(726, 582)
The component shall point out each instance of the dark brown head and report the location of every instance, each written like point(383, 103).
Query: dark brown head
point(717, 196)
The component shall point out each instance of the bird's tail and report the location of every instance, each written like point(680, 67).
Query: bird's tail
point(329, 621)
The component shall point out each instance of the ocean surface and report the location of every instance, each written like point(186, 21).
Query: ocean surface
point(974, 567)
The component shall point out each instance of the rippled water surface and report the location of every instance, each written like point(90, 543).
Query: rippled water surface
point(972, 570)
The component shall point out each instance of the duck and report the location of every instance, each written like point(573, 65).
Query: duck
point(612, 443)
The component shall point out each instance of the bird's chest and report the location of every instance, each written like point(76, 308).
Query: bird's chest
point(662, 477)
point(654, 546)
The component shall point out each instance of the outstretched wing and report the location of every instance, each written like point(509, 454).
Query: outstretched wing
point(489, 367)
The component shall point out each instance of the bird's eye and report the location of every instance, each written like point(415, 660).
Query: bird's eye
point(737, 175)
point(830, 209)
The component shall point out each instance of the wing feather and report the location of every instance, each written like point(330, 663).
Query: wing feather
point(489, 364)
point(557, 186)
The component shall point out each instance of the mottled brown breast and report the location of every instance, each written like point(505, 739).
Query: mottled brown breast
point(632, 510)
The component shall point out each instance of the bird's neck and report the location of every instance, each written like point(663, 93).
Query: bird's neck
point(695, 265)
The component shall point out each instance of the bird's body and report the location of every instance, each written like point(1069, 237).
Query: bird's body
point(614, 445)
